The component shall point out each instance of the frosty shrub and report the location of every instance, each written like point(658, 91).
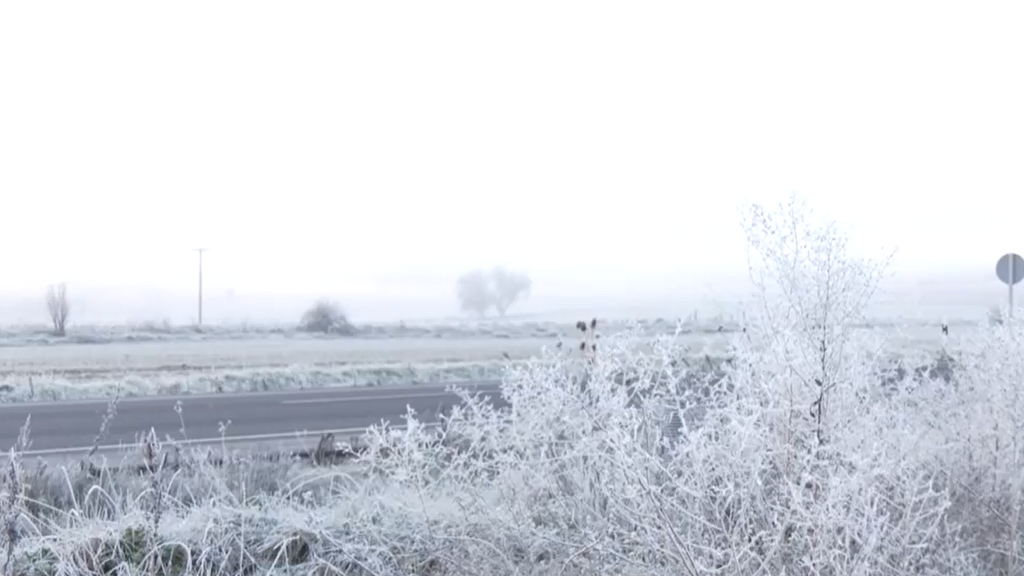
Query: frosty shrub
point(980, 424)
point(325, 316)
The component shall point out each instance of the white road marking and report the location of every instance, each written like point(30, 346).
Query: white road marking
point(366, 398)
point(332, 390)
point(298, 435)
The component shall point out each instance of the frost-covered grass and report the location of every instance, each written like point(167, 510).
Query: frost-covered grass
point(580, 477)
point(93, 359)
point(35, 335)
point(85, 372)
point(57, 386)
point(41, 335)
point(184, 367)
point(90, 371)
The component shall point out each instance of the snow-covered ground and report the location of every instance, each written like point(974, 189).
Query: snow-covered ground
point(88, 359)
point(544, 328)
point(97, 362)
point(33, 335)
point(183, 367)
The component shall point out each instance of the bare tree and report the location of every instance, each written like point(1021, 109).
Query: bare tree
point(474, 292)
point(478, 291)
point(811, 290)
point(508, 287)
point(58, 307)
point(325, 316)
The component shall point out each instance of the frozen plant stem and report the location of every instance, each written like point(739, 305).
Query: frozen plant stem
point(153, 465)
point(12, 504)
point(222, 428)
point(108, 417)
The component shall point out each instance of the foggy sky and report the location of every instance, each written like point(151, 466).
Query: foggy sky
point(380, 149)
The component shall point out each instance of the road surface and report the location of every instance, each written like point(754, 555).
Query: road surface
point(69, 428)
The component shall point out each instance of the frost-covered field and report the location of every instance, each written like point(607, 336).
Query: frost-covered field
point(225, 354)
point(266, 361)
point(175, 367)
point(142, 360)
point(41, 335)
point(101, 361)
point(31, 335)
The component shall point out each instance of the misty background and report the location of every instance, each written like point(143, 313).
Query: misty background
point(371, 153)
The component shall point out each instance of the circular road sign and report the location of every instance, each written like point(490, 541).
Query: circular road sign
point(1003, 268)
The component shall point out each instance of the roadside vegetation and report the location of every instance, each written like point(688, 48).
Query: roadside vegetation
point(809, 452)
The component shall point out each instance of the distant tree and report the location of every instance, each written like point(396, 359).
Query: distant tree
point(58, 307)
point(325, 316)
point(478, 291)
point(474, 292)
point(508, 287)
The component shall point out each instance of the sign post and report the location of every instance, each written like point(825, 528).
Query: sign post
point(1010, 270)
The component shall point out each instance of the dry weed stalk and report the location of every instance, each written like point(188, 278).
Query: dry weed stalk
point(108, 417)
point(153, 465)
point(12, 504)
point(588, 337)
point(324, 450)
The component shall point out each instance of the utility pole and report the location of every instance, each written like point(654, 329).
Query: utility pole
point(200, 251)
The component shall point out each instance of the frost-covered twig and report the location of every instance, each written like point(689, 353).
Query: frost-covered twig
point(12, 503)
point(108, 417)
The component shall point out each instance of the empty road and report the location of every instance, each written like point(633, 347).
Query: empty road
point(68, 428)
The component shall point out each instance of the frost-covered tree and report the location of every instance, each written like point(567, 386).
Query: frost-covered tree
point(474, 293)
point(508, 287)
point(810, 291)
point(58, 308)
point(479, 291)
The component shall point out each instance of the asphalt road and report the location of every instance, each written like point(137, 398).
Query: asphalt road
point(69, 428)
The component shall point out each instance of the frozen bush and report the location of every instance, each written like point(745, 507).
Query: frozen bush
point(325, 316)
point(586, 475)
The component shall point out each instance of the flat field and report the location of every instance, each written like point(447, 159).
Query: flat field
point(171, 355)
point(99, 362)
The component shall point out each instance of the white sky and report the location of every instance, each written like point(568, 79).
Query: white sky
point(326, 146)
